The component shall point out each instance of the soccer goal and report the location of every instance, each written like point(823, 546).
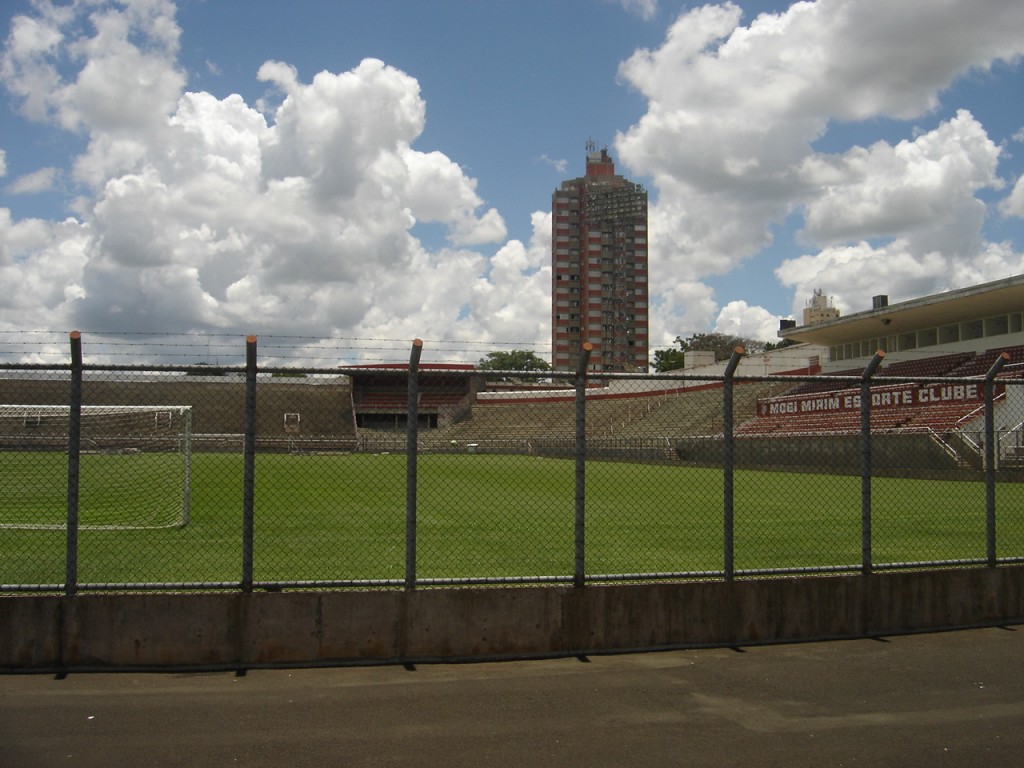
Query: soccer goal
point(135, 466)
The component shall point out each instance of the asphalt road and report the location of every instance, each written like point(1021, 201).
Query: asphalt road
point(947, 699)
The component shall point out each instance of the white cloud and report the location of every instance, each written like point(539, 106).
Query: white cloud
point(917, 202)
point(437, 190)
point(127, 79)
point(645, 9)
point(37, 181)
point(896, 269)
point(738, 319)
point(206, 213)
point(340, 128)
point(509, 300)
point(677, 308)
point(40, 268)
point(922, 189)
point(861, 271)
point(28, 67)
point(559, 165)
point(1013, 205)
point(297, 214)
point(733, 112)
point(513, 301)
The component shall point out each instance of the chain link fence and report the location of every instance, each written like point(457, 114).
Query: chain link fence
point(122, 477)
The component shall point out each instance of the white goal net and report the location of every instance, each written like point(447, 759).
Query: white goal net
point(134, 467)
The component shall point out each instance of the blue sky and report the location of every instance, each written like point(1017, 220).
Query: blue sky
point(383, 170)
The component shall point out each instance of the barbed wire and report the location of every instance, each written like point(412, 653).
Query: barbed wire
point(42, 346)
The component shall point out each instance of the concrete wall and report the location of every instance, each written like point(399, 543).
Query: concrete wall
point(235, 630)
point(917, 452)
point(218, 403)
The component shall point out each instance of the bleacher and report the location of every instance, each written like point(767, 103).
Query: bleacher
point(691, 412)
point(939, 417)
point(699, 412)
point(555, 419)
point(941, 365)
point(814, 387)
point(821, 423)
point(980, 364)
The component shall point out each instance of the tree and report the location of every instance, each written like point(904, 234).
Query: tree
point(514, 360)
point(668, 360)
point(722, 344)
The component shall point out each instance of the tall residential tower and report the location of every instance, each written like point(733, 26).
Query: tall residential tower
point(599, 269)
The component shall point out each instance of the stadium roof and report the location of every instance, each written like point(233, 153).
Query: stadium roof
point(961, 305)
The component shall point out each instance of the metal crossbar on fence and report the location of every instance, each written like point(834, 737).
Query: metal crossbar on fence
point(126, 478)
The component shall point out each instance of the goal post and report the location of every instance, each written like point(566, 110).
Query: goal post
point(135, 466)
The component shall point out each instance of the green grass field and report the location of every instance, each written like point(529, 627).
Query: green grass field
point(342, 517)
point(138, 490)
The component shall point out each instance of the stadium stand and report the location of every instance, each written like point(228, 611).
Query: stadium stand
point(939, 417)
point(914, 331)
point(942, 365)
point(380, 396)
point(979, 365)
point(699, 412)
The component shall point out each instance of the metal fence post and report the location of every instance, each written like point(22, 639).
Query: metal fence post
point(249, 459)
point(411, 456)
point(74, 465)
point(727, 464)
point(990, 458)
point(579, 564)
point(865, 467)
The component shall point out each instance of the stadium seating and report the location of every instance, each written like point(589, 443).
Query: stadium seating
point(941, 365)
point(980, 364)
point(939, 417)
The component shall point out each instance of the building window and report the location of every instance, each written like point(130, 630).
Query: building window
point(949, 334)
point(972, 330)
point(997, 326)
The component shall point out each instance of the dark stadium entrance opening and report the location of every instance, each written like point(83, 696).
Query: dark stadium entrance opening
point(394, 421)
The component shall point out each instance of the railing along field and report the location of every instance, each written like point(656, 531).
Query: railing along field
point(248, 477)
